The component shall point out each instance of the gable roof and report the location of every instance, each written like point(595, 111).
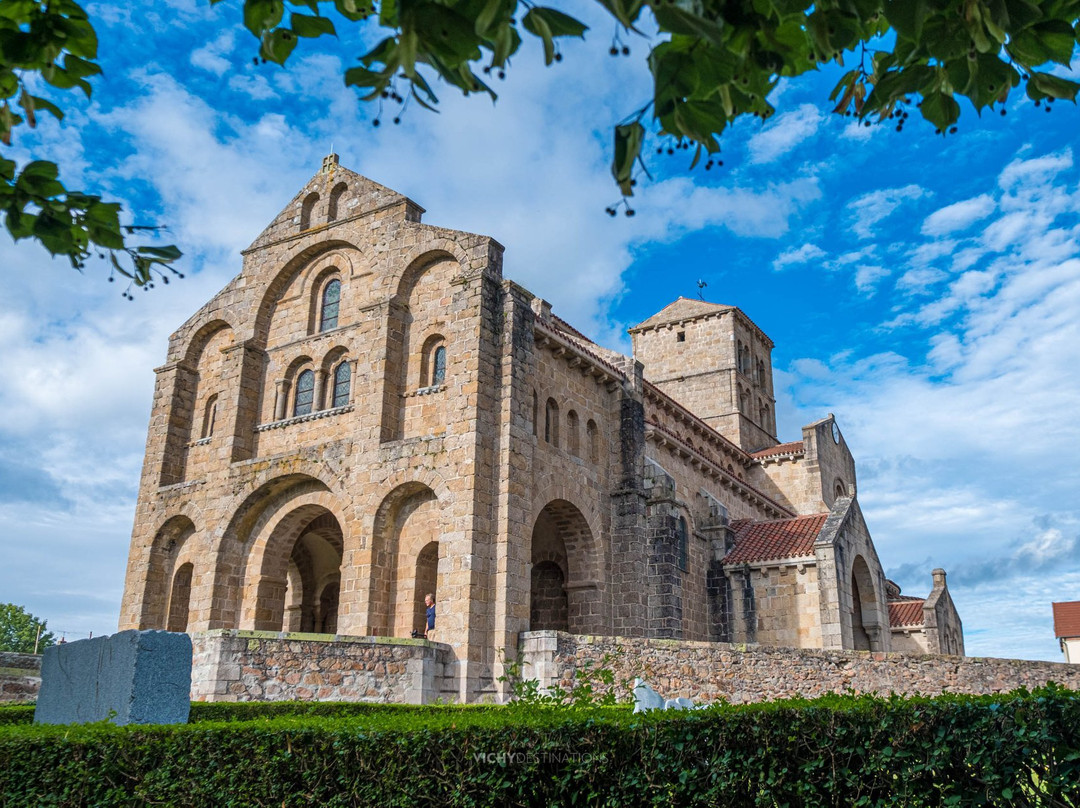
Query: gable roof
point(684, 308)
point(361, 195)
point(1067, 619)
point(907, 612)
point(775, 540)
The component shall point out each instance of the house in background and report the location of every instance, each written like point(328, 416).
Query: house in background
point(1067, 629)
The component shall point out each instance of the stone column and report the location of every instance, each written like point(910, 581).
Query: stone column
point(320, 391)
point(281, 401)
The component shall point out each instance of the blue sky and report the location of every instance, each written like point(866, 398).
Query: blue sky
point(923, 289)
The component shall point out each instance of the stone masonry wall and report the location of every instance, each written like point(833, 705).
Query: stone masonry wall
point(232, 665)
point(710, 671)
point(20, 676)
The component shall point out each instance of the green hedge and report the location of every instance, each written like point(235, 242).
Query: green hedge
point(1016, 749)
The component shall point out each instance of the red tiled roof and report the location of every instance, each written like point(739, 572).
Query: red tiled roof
point(793, 447)
point(770, 541)
point(907, 612)
point(1067, 619)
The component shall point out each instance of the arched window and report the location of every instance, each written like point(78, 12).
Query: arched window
point(682, 542)
point(573, 442)
point(342, 384)
point(592, 434)
point(438, 366)
point(307, 208)
point(305, 393)
point(551, 422)
point(209, 416)
point(331, 303)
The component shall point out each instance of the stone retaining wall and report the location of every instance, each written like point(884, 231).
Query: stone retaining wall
point(232, 665)
point(709, 671)
point(20, 676)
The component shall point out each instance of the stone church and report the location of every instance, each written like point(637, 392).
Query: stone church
point(370, 412)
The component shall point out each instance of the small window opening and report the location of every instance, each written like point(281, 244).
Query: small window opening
point(210, 416)
point(305, 393)
point(342, 380)
point(438, 370)
point(331, 304)
point(680, 336)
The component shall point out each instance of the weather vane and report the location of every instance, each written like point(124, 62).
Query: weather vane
point(701, 285)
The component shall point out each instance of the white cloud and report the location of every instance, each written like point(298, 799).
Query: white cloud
point(867, 278)
point(958, 216)
point(872, 208)
point(920, 281)
point(803, 254)
point(784, 133)
point(211, 57)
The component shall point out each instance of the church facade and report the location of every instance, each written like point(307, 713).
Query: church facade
point(369, 412)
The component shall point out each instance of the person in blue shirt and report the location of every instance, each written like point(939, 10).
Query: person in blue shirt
point(429, 623)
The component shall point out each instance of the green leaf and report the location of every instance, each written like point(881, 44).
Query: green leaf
point(558, 23)
point(940, 109)
point(1044, 84)
point(680, 21)
point(307, 26)
point(1052, 41)
point(262, 15)
point(167, 253)
point(536, 24)
point(906, 17)
point(278, 45)
point(628, 140)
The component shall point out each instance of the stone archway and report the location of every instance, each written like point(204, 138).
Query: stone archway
point(866, 623)
point(165, 560)
point(564, 580)
point(427, 582)
point(180, 598)
point(404, 558)
point(305, 545)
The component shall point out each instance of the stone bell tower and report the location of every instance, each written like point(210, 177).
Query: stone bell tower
point(713, 360)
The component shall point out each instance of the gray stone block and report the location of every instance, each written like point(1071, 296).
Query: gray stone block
point(134, 677)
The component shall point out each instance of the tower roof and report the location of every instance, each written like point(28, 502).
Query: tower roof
point(682, 309)
point(356, 194)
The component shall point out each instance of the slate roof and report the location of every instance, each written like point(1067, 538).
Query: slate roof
point(907, 612)
point(1067, 619)
point(772, 541)
point(794, 447)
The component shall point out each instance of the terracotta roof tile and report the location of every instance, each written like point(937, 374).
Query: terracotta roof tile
point(1067, 619)
point(794, 447)
point(772, 541)
point(907, 612)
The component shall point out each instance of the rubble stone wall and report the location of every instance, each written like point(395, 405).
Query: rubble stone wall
point(233, 665)
point(710, 671)
point(20, 676)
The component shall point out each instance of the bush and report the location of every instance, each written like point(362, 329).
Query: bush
point(1020, 748)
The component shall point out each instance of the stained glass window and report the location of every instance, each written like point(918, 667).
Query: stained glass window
point(438, 372)
point(305, 393)
point(342, 377)
point(331, 301)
